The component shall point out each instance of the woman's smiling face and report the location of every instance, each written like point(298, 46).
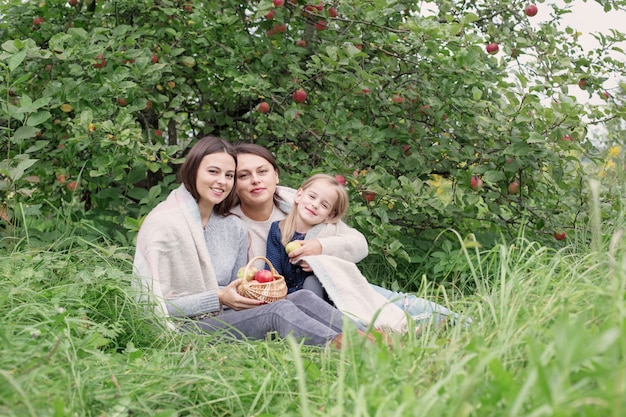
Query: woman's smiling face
point(215, 178)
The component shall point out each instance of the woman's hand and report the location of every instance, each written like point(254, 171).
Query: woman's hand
point(229, 297)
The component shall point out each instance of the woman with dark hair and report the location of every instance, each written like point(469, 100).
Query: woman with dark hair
point(262, 201)
point(189, 250)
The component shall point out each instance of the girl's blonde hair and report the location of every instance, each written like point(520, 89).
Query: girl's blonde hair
point(287, 226)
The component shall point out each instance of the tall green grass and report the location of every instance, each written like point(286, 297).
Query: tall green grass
point(547, 339)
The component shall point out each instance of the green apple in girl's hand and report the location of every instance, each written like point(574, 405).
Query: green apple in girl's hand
point(291, 246)
point(250, 275)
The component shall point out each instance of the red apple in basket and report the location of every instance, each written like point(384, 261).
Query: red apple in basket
point(264, 276)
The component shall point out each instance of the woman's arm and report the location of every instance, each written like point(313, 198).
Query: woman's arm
point(210, 302)
point(194, 305)
point(341, 241)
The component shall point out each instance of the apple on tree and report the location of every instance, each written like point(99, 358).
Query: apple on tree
point(264, 107)
point(100, 61)
point(513, 187)
point(560, 235)
point(263, 276)
point(476, 183)
point(308, 10)
point(299, 96)
point(368, 196)
point(321, 25)
point(341, 179)
point(492, 48)
point(280, 28)
point(71, 186)
point(531, 10)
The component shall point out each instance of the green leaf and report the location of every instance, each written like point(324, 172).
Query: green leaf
point(476, 93)
point(536, 137)
point(154, 192)
point(24, 132)
point(16, 60)
point(17, 172)
point(493, 176)
point(518, 149)
point(38, 118)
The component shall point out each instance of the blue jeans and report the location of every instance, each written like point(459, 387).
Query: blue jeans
point(419, 309)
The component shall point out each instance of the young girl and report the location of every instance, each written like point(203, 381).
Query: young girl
point(321, 202)
point(321, 199)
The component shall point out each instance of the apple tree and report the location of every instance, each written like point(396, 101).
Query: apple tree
point(413, 102)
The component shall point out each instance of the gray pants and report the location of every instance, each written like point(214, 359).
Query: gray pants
point(302, 314)
point(312, 283)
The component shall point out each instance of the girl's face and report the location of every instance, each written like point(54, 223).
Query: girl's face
point(256, 180)
point(215, 178)
point(316, 203)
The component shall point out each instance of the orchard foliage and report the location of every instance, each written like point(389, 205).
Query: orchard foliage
point(401, 97)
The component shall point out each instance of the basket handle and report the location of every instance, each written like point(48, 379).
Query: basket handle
point(251, 261)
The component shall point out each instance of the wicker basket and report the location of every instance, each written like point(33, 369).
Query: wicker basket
point(263, 291)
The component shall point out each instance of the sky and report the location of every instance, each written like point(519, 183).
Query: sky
point(589, 17)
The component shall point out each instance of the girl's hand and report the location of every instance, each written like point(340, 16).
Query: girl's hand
point(308, 247)
point(305, 266)
point(229, 296)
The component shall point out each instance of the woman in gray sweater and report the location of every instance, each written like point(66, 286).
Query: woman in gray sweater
point(189, 249)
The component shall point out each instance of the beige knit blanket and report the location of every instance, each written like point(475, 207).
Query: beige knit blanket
point(171, 256)
point(352, 294)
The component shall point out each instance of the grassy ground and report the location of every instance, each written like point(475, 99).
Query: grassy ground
point(548, 339)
